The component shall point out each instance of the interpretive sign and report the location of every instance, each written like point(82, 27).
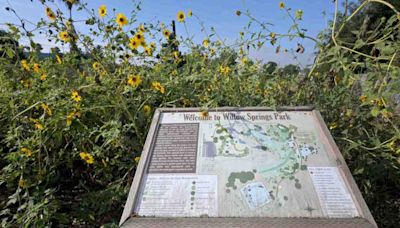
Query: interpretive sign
point(279, 167)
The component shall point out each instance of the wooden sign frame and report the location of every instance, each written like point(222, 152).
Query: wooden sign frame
point(129, 218)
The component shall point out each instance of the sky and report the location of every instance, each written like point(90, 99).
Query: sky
point(219, 14)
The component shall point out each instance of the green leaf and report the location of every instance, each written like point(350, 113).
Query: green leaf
point(358, 171)
point(375, 112)
point(10, 53)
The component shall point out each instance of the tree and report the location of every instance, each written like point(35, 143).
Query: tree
point(372, 16)
point(270, 67)
point(291, 70)
point(9, 47)
point(369, 23)
point(227, 57)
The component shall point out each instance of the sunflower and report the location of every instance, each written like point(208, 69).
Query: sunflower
point(121, 19)
point(176, 54)
point(102, 11)
point(142, 28)
point(126, 56)
point(64, 36)
point(166, 33)
point(137, 159)
point(133, 44)
point(186, 102)
point(204, 114)
point(36, 67)
point(148, 50)
point(363, 98)
point(26, 151)
point(392, 145)
point(139, 37)
point(72, 115)
point(299, 14)
point(180, 16)
point(206, 43)
point(224, 70)
point(212, 51)
point(205, 56)
point(75, 96)
point(37, 123)
point(134, 80)
point(25, 65)
point(50, 14)
point(152, 45)
point(27, 83)
point(157, 86)
point(69, 119)
point(88, 158)
point(47, 109)
point(109, 28)
point(281, 5)
point(96, 65)
point(244, 60)
point(147, 109)
point(190, 13)
point(333, 126)
point(381, 102)
point(22, 183)
point(76, 113)
point(43, 77)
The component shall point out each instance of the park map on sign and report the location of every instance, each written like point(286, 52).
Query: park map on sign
point(256, 158)
point(248, 164)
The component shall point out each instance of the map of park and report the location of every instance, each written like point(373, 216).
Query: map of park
point(255, 159)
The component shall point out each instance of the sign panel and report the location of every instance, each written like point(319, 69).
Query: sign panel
point(242, 163)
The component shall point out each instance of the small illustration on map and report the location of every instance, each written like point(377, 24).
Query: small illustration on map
point(243, 178)
point(209, 149)
point(255, 194)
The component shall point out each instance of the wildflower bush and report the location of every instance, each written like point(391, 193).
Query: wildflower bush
point(73, 124)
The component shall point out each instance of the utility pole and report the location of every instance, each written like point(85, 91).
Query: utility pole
point(174, 45)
